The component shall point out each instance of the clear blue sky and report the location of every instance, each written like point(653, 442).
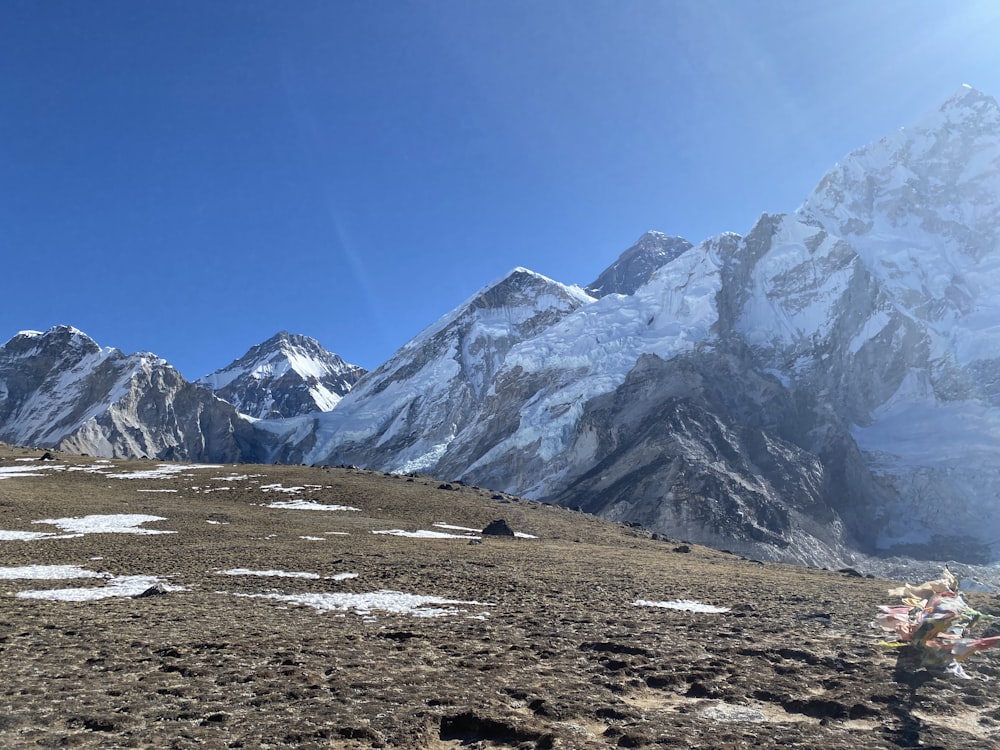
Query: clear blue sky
point(190, 177)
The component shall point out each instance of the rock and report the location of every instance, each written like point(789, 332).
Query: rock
point(157, 589)
point(498, 528)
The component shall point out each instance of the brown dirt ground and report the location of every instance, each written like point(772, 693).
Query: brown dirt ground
point(563, 659)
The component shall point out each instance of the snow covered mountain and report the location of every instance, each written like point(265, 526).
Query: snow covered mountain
point(405, 413)
point(829, 382)
point(921, 208)
point(60, 389)
point(286, 376)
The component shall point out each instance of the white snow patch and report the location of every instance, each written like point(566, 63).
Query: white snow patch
point(308, 505)
point(685, 605)
point(285, 574)
point(280, 488)
point(518, 534)
point(48, 573)
point(29, 536)
point(394, 602)
point(162, 471)
point(116, 587)
point(118, 523)
point(266, 573)
point(424, 534)
point(6, 472)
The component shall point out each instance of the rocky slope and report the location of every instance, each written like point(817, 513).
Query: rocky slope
point(286, 376)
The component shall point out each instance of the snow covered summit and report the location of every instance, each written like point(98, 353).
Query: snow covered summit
point(637, 264)
point(288, 375)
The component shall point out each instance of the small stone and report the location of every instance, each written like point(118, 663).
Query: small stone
point(156, 589)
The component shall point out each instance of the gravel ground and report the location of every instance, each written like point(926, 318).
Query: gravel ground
point(297, 626)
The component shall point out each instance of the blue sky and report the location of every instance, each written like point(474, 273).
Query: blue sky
point(191, 177)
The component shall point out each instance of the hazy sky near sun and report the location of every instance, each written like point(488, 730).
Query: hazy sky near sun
point(191, 177)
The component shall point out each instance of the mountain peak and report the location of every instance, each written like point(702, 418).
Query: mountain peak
point(920, 183)
point(64, 332)
point(968, 107)
point(283, 341)
point(287, 375)
point(965, 95)
point(521, 287)
point(61, 337)
point(636, 265)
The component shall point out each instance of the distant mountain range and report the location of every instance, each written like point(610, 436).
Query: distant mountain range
point(60, 389)
point(828, 383)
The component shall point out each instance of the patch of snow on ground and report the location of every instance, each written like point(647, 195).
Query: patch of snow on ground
point(116, 587)
point(162, 471)
point(308, 505)
point(117, 523)
point(7, 472)
point(726, 712)
point(274, 573)
point(685, 605)
point(313, 538)
point(48, 573)
point(156, 490)
point(424, 534)
point(29, 536)
point(519, 534)
point(87, 469)
point(395, 602)
point(280, 488)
